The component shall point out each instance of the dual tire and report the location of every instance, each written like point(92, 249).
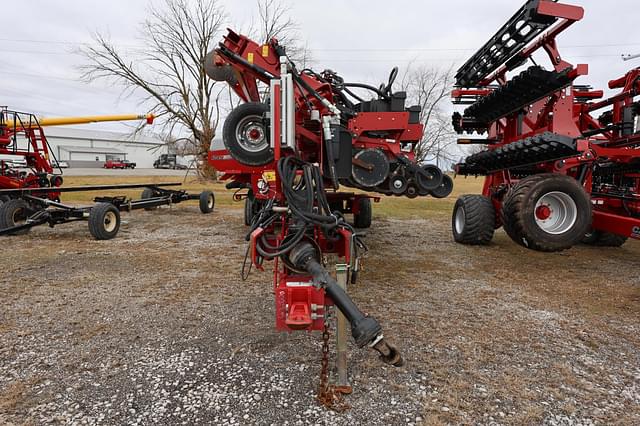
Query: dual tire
point(546, 212)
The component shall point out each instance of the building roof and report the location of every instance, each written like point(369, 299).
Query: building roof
point(87, 149)
point(64, 132)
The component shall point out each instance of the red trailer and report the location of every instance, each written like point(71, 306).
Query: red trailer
point(562, 165)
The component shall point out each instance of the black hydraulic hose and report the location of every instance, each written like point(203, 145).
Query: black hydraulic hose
point(225, 51)
point(283, 249)
point(345, 304)
point(353, 95)
point(366, 86)
point(307, 199)
point(306, 86)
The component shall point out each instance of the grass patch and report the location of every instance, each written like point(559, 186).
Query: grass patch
point(190, 184)
point(397, 207)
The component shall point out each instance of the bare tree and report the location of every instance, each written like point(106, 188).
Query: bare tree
point(274, 21)
point(429, 88)
point(169, 71)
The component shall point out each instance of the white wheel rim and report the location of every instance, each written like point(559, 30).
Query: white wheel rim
point(210, 201)
point(459, 220)
point(555, 213)
point(19, 217)
point(250, 134)
point(110, 221)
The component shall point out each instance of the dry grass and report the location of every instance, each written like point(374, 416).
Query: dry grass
point(16, 393)
point(190, 184)
point(399, 207)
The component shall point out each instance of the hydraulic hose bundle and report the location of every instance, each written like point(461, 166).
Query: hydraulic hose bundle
point(307, 204)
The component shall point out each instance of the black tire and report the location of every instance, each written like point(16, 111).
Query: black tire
point(430, 178)
point(473, 220)
point(146, 194)
point(398, 184)
point(251, 208)
point(252, 151)
point(521, 218)
point(14, 212)
point(56, 180)
point(445, 188)
point(219, 72)
point(412, 191)
point(104, 221)
point(362, 220)
point(207, 202)
point(604, 239)
point(248, 211)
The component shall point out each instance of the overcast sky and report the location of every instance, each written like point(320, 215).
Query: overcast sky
point(362, 40)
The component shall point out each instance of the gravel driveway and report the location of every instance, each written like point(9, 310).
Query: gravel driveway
point(156, 326)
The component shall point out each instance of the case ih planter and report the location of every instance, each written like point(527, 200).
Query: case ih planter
point(292, 149)
point(24, 211)
point(561, 165)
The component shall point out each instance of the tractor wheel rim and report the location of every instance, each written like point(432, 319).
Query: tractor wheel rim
point(110, 221)
point(459, 220)
point(556, 213)
point(210, 201)
point(250, 133)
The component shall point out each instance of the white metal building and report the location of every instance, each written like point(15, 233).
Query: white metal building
point(91, 148)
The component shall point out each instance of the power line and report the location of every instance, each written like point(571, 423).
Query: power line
point(408, 49)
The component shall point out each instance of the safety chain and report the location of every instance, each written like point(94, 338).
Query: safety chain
point(328, 395)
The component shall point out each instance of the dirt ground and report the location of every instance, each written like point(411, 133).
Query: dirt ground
point(156, 326)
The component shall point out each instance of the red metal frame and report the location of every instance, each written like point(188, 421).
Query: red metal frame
point(37, 155)
point(569, 112)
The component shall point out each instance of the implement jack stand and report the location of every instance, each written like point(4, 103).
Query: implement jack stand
point(342, 335)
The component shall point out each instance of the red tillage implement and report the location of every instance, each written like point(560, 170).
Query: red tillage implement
point(561, 165)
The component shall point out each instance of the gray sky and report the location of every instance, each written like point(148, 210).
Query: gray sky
point(362, 40)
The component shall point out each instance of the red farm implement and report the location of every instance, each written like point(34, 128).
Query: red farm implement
point(561, 165)
point(22, 137)
point(31, 197)
point(298, 137)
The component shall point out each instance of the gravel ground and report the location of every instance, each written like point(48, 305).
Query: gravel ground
point(156, 326)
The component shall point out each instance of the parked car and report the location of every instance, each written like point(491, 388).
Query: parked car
point(63, 164)
point(119, 164)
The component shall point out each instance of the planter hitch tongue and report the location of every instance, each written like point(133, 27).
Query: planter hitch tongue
point(364, 329)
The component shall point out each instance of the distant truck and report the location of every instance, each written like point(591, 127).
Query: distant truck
point(169, 161)
point(119, 164)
